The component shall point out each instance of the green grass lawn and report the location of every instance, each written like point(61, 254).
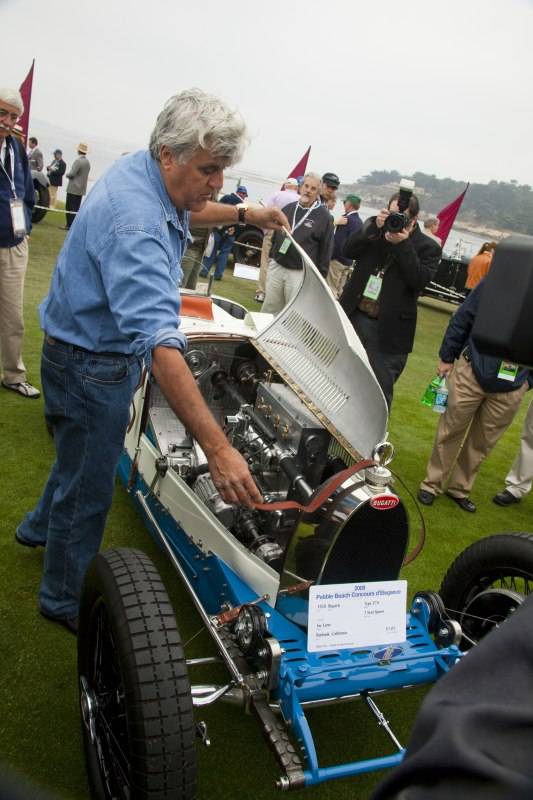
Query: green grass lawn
point(39, 723)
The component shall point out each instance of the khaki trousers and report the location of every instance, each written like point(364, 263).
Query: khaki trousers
point(520, 476)
point(13, 263)
point(52, 191)
point(338, 274)
point(265, 256)
point(482, 416)
point(282, 285)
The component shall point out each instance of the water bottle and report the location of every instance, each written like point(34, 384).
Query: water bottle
point(428, 398)
point(441, 397)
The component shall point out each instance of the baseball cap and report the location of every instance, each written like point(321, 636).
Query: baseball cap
point(331, 179)
point(353, 199)
point(242, 190)
point(291, 182)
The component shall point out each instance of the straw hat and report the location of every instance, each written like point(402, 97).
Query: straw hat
point(83, 148)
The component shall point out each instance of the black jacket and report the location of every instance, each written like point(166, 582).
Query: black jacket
point(485, 368)
point(315, 236)
point(56, 170)
point(412, 264)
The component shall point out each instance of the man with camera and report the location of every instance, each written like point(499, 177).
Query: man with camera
point(394, 261)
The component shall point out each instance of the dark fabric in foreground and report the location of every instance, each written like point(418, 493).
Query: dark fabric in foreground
point(473, 737)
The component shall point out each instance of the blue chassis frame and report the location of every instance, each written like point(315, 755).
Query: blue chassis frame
point(303, 676)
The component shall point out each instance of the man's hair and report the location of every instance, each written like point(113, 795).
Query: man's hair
point(33, 139)
point(12, 97)
point(413, 207)
point(315, 177)
point(430, 222)
point(193, 119)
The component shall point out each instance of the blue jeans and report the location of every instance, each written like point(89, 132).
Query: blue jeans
point(87, 400)
point(221, 250)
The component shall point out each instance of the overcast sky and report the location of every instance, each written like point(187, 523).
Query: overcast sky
point(441, 87)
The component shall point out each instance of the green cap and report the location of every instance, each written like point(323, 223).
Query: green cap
point(353, 199)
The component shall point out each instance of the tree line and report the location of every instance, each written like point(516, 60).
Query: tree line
point(497, 204)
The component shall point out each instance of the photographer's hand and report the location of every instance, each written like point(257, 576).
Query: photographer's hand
point(401, 236)
point(381, 217)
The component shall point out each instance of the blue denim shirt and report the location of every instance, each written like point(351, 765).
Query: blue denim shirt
point(115, 284)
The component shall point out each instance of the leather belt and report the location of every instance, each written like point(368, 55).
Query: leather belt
point(51, 340)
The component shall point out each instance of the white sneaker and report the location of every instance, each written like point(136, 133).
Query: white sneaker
point(25, 389)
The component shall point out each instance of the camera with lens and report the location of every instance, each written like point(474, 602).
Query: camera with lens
point(398, 220)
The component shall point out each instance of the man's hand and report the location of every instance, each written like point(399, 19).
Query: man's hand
point(232, 478)
point(271, 218)
point(228, 468)
point(444, 369)
point(341, 221)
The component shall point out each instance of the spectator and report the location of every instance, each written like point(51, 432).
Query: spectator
point(479, 266)
point(340, 267)
point(223, 238)
point(431, 227)
point(55, 171)
point(380, 298)
point(78, 175)
point(113, 304)
point(35, 157)
point(328, 190)
point(484, 394)
point(311, 225)
point(288, 194)
point(473, 735)
point(520, 477)
point(17, 198)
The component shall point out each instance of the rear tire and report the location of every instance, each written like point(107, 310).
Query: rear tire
point(137, 713)
point(487, 582)
point(42, 198)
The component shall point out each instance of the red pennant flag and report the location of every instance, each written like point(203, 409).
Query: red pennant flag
point(25, 90)
point(301, 166)
point(447, 216)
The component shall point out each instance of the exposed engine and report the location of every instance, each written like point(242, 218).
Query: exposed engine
point(290, 454)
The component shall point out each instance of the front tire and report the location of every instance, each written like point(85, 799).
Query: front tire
point(487, 582)
point(137, 713)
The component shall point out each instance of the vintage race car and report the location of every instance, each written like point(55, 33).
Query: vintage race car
point(296, 396)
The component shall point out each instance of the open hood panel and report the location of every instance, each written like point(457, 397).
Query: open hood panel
point(313, 345)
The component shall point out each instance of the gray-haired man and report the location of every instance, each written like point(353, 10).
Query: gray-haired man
point(17, 198)
point(114, 303)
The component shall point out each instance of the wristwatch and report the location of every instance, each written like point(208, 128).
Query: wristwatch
point(242, 208)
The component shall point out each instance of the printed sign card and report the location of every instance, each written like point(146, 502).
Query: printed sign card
point(346, 615)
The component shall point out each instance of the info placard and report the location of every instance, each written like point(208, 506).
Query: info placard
point(345, 615)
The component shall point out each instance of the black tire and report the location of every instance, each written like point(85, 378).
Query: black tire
point(242, 251)
point(132, 672)
point(42, 198)
point(487, 582)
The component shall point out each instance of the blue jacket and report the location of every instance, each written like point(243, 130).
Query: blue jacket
point(485, 368)
point(24, 189)
point(342, 232)
point(115, 285)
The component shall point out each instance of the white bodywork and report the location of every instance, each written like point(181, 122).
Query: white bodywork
point(313, 346)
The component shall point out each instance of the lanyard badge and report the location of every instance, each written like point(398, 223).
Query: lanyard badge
point(18, 218)
point(372, 289)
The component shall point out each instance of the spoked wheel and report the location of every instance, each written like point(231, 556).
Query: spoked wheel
point(136, 705)
point(487, 582)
